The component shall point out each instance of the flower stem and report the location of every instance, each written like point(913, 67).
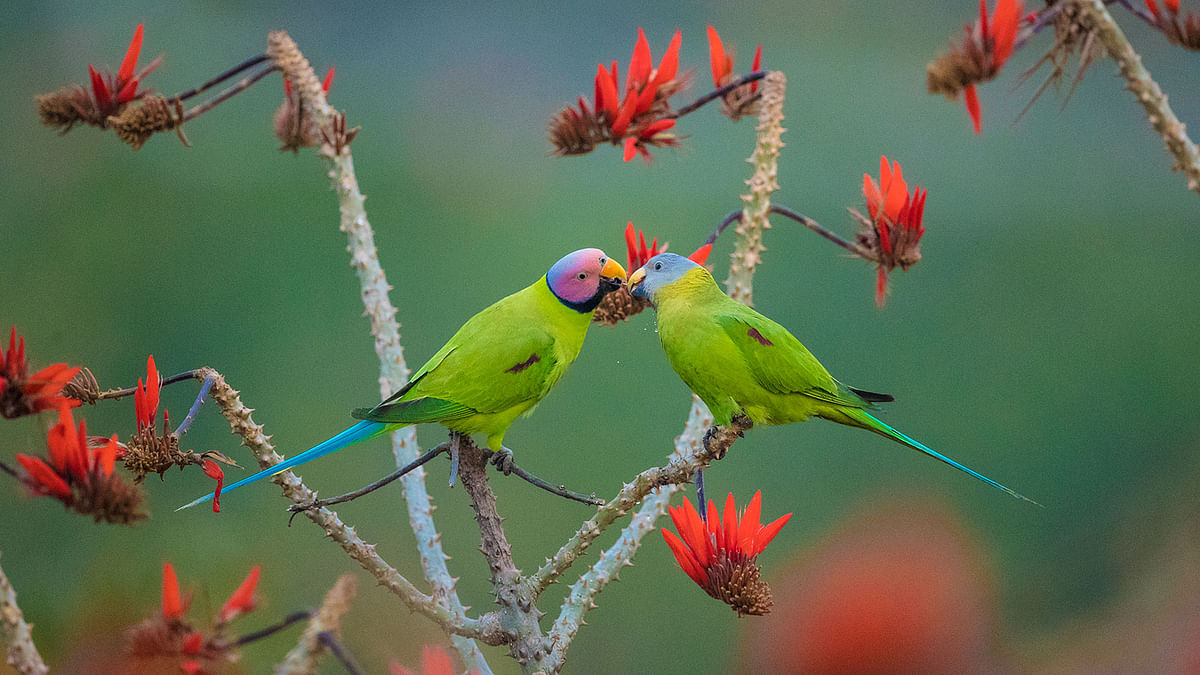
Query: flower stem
point(799, 218)
point(1147, 92)
point(714, 95)
point(248, 63)
point(242, 85)
point(294, 617)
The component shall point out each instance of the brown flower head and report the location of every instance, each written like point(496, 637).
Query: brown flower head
point(168, 636)
point(81, 475)
point(891, 237)
point(636, 119)
point(978, 58)
point(108, 96)
point(138, 122)
point(619, 305)
point(721, 554)
point(25, 394)
point(292, 128)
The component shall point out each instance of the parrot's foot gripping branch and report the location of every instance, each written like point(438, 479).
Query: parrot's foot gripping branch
point(722, 437)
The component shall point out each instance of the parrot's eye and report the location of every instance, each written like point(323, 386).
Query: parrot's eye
point(583, 275)
point(658, 266)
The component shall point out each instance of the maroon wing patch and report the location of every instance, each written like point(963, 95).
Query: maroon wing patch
point(533, 358)
point(753, 332)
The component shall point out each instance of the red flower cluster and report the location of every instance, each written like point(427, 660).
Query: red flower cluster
point(168, 634)
point(741, 100)
point(720, 553)
point(891, 237)
point(109, 93)
point(24, 394)
point(635, 117)
point(979, 58)
point(1185, 33)
point(150, 452)
point(81, 476)
point(637, 253)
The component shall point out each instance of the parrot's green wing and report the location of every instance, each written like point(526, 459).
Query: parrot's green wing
point(496, 361)
point(780, 364)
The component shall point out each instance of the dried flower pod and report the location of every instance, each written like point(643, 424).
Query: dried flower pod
point(67, 107)
point(618, 306)
point(740, 101)
point(83, 387)
point(137, 123)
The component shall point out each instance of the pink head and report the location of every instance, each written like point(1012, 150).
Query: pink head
point(581, 279)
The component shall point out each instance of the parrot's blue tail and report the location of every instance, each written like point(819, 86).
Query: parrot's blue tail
point(873, 423)
point(359, 432)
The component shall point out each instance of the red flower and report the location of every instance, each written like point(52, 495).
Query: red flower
point(638, 253)
point(81, 476)
point(242, 601)
point(1185, 33)
point(720, 554)
point(435, 660)
point(981, 55)
point(169, 633)
point(891, 236)
point(742, 100)
point(22, 394)
point(145, 397)
point(634, 116)
point(113, 92)
point(174, 606)
point(294, 128)
point(214, 471)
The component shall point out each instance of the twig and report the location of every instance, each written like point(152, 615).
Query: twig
point(1145, 90)
point(248, 63)
point(294, 617)
point(22, 654)
point(384, 328)
point(116, 394)
point(242, 85)
point(714, 95)
point(349, 496)
point(330, 642)
point(799, 218)
point(9, 470)
point(757, 204)
point(191, 415)
point(252, 436)
point(301, 660)
point(560, 490)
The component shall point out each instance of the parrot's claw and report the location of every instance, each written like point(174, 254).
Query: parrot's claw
point(708, 438)
point(502, 459)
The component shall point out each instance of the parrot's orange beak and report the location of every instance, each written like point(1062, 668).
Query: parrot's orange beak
point(613, 270)
point(639, 275)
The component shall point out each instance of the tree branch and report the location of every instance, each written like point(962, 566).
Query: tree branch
point(22, 654)
point(384, 328)
point(757, 204)
point(242, 424)
point(327, 620)
point(1145, 90)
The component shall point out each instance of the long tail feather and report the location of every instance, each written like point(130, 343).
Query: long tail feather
point(359, 432)
point(873, 423)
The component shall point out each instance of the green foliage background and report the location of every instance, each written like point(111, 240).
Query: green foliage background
point(1048, 339)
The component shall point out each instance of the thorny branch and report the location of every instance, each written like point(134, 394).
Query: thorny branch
point(384, 328)
point(327, 621)
point(15, 632)
point(1145, 90)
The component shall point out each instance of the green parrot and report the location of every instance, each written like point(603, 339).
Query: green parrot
point(739, 361)
point(497, 367)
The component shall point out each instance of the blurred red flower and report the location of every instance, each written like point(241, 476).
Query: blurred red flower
point(741, 100)
point(899, 589)
point(983, 52)
point(24, 394)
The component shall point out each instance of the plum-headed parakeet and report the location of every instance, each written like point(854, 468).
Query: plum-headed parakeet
point(739, 361)
point(497, 367)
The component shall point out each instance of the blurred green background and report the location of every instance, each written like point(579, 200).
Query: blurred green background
point(1048, 339)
